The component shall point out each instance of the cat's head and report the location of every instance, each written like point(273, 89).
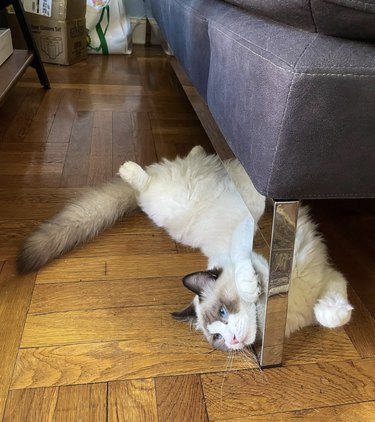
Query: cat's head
point(227, 322)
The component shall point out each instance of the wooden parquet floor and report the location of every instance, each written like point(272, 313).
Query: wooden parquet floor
point(90, 337)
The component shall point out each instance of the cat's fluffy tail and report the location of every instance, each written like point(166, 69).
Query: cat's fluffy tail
point(97, 209)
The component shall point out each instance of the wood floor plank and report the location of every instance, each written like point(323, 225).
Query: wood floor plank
point(96, 69)
point(318, 344)
point(62, 125)
point(36, 180)
point(76, 166)
point(64, 404)
point(31, 168)
point(164, 149)
point(24, 115)
point(248, 393)
point(144, 144)
point(31, 164)
point(81, 403)
point(12, 233)
point(122, 360)
point(180, 399)
point(122, 140)
point(33, 204)
point(117, 267)
point(62, 297)
point(177, 126)
point(101, 325)
point(132, 103)
point(9, 108)
point(23, 152)
point(165, 80)
point(169, 146)
point(361, 328)
point(34, 148)
point(91, 88)
point(130, 401)
point(100, 163)
point(358, 412)
point(15, 296)
point(42, 122)
point(37, 404)
point(90, 101)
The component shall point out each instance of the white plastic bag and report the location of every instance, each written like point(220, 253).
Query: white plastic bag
point(109, 29)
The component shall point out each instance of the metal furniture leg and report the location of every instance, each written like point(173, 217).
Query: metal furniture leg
point(274, 300)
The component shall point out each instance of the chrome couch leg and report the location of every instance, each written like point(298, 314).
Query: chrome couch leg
point(274, 300)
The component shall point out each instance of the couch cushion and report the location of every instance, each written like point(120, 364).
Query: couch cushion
point(354, 19)
point(295, 107)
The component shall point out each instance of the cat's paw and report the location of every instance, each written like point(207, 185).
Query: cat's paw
point(247, 281)
point(333, 311)
point(197, 150)
point(134, 174)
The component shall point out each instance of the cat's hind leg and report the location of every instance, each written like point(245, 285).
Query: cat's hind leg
point(333, 309)
point(135, 175)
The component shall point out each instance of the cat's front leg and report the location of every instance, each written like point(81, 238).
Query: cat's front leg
point(247, 281)
point(241, 251)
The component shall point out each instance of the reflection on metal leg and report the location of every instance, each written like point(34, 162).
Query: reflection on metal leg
point(274, 300)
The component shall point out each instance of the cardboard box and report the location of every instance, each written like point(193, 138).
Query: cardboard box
point(6, 47)
point(59, 41)
point(56, 9)
point(61, 38)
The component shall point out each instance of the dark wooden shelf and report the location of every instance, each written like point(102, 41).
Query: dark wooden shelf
point(12, 69)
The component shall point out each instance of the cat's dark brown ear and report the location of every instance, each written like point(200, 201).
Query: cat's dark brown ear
point(188, 314)
point(198, 282)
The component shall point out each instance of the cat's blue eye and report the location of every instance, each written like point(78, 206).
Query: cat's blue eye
point(223, 312)
point(217, 337)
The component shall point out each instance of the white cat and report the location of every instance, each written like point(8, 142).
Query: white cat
point(196, 202)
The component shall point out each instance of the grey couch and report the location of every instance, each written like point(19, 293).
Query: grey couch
point(291, 85)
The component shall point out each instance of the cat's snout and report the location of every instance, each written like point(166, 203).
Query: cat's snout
point(234, 340)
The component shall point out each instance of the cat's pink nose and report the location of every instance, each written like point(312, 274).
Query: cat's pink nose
point(234, 340)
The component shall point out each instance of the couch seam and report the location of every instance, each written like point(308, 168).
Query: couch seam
point(301, 196)
point(354, 75)
point(292, 69)
point(280, 130)
point(257, 54)
point(338, 67)
point(285, 109)
point(195, 11)
point(251, 43)
point(312, 16)
point(304, 51)
point(353, 1)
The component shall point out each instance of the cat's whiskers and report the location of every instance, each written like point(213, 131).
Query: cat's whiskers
point(246, 359)
point(229, 364)
point(251, 357)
